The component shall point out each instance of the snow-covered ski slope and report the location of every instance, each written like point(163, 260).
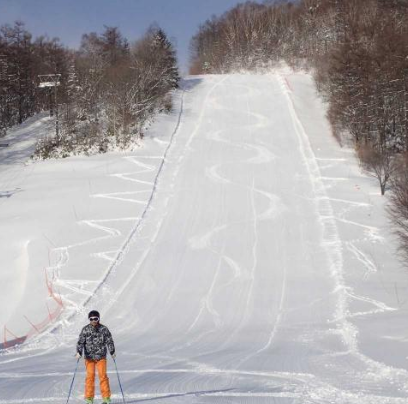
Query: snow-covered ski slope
point(239, 256)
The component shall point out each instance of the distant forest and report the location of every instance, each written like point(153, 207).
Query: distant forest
point(357, 51)
point(105, 91)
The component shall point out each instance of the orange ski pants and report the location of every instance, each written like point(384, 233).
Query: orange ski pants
point(90, 378)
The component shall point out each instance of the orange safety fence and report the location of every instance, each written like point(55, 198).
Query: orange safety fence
point(10, 339)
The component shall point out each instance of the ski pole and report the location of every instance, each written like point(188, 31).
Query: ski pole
point(120, 384)
point(72, 383)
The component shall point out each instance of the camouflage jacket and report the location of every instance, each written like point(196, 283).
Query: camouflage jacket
point(95, 341)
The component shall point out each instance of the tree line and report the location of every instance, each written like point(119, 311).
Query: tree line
point(358, 53)
point(357, 50)
point(107, 89)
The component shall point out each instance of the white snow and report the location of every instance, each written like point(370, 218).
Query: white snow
point(239, 256)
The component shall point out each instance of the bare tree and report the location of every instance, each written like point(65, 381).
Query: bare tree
point(378, 163)
point(398, 207)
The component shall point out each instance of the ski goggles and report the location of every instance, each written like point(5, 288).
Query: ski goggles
point(93, 318)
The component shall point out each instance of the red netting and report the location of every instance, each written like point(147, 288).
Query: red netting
point(10, 339)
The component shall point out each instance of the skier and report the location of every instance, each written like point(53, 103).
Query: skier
point(94, 340)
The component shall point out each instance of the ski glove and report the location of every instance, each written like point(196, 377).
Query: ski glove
point(78, 355)
point(113, 356)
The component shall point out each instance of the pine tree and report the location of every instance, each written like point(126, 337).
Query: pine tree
point(165, 53)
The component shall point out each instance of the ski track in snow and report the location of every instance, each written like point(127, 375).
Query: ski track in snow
point(197, 381)
point(334, 251)
point(61, 255)
point(104, 226)
point(333, 248)
point(262, 155)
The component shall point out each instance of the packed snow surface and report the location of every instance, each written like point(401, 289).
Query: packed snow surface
point(238, 256)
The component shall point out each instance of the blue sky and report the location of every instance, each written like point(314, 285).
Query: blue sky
point(69, 19)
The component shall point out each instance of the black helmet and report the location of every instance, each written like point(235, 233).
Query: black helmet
point(94, 313)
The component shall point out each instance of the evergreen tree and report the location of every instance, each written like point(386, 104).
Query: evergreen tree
point(165, 54)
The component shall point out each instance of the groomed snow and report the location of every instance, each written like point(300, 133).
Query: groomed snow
point(239, 256)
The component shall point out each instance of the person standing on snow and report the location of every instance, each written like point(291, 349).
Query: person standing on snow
point(94, 340)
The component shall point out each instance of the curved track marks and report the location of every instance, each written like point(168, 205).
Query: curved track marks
point(230, 286)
